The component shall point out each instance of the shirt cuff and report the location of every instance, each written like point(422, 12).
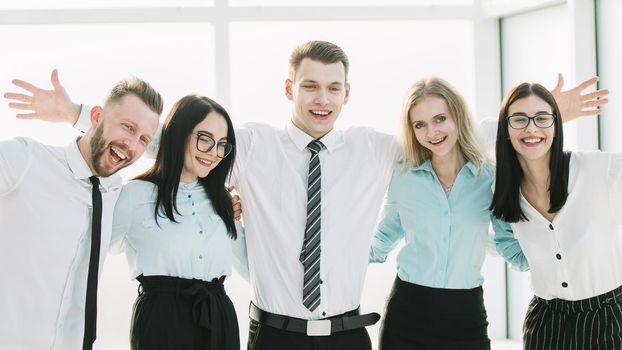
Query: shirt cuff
point(84, 119)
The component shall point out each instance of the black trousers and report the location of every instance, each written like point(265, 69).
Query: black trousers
point(425, 318)
point(263, 337)
point(594, 323)
point(173, 313)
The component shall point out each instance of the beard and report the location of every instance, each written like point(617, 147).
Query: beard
point(99, 146)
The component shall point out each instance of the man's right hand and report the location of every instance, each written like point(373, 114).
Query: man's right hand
point(47, 105)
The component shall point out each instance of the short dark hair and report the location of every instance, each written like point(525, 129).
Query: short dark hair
point(322, 51)
point(506, 198)
point(166, 171)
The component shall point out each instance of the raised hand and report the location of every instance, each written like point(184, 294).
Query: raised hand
point(573, 104)
point(48, 105)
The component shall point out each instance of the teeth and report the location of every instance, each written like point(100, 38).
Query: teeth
point(204, 162)
point(434, 142)
point(118, 153)
point(323, 113)
point(532, 140)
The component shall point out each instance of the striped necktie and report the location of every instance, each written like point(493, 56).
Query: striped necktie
point(310, 255)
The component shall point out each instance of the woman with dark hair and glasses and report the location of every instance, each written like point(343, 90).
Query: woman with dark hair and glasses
point(564, 209)
point(175, 223)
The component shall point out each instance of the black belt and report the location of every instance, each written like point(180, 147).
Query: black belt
point(348, 321)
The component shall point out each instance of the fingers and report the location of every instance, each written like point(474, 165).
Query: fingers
point(55, 82)
point(23, 106)
point(595, 94)
point(27, 116)
point(18, 97)
point(24, 85)
point(586, 84)
point(560, 82)
point(594, 103)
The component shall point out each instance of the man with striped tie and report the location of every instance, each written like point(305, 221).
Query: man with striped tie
point(309, 221)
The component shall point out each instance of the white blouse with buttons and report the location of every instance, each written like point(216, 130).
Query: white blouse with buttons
point(578, 255)
point(196, 246)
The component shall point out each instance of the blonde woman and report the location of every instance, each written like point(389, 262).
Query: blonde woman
point(438, 202)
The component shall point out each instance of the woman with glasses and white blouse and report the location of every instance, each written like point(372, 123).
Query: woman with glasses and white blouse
point(565, 210)
point(175, 223)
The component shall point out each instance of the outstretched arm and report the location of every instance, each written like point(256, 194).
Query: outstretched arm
point(48, 105)
point(574, 104)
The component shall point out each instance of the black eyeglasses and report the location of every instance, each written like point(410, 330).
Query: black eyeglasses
point(521, 121)
point(206, 143)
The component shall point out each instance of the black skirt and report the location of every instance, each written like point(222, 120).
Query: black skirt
point(423, 318)
point(173, 313)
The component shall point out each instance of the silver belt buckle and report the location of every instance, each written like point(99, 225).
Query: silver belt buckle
point(318, 328)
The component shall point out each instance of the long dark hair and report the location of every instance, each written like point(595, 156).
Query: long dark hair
point(166, 171)
point(506, 199)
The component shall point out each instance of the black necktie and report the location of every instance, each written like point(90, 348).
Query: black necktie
point(310, 255)
point(90, 309)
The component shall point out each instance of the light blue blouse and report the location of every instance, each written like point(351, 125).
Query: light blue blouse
point(445, 236)
point(196, 246)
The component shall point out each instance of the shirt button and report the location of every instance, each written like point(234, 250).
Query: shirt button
point(551, 226)
point(192, 213)
point(200, 256)
point(559, 257)
point(324, 313)
point(564, 284)
point(189, 196)
point(321, 282)
point(201, 232)
point(193, 204)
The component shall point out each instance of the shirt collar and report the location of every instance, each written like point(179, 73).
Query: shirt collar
point(427, 166)
point(81, 171)
point(301, 139)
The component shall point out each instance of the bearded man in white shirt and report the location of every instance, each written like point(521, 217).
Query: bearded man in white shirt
point(46, 206)
point(308, 255)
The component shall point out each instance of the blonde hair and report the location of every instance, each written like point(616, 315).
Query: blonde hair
point(469, 142)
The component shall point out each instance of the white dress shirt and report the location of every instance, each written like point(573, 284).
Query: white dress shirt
point(45, 229)
point(271, 172)
point(578, 255)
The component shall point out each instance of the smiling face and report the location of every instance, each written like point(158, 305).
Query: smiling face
point(434, 126)
point(198, 164)
point(122, 132)
point(318, 92)
point(532, 142)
